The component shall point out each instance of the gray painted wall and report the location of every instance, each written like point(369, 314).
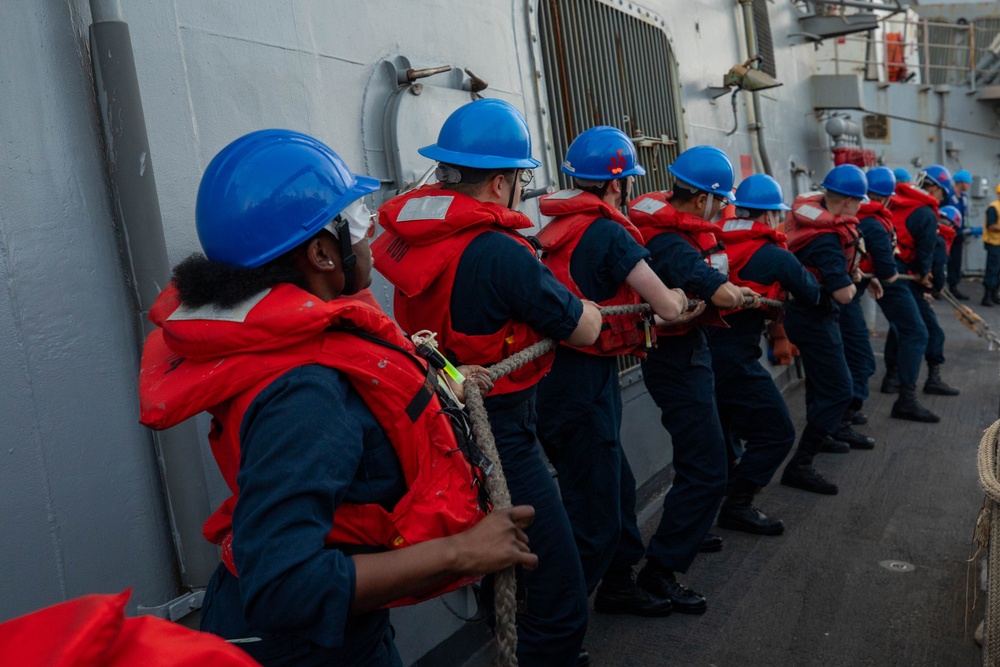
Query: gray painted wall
point(82, 509)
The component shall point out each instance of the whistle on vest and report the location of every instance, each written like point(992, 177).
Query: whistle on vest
point(647, 332)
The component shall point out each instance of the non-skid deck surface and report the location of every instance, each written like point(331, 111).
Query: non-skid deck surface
point(818, 594)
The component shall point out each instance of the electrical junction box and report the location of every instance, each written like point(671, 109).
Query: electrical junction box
point(980, 187)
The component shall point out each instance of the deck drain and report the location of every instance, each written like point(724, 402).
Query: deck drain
point(898, 565)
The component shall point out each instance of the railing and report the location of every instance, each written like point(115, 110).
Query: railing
point(921, 51)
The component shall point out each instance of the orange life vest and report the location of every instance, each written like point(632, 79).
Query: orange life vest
point(809, 220)
point(426, 232)
point(948, 233)
point(907, 200)
point(877, 210)
point(742, 239)
point(93, 631)
point(574, 211)
point(653, 215)
point(219, 361)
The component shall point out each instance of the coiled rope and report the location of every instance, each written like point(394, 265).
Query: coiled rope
point(986, 526)
point(496, 483)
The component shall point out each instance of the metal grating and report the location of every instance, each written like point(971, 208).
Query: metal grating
point(765, 43)
point(606, 67)
point(945, 47)
point(986, 28)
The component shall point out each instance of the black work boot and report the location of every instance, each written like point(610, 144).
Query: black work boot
point(619, 594)
point(890, 383)
point(661, 582)
point(856, 440)
point(738, 512)
point(961, 296)
point(831, 445)
point(987, 298)
point(854, 415)
point(799, 473)
point(711, 544)
point(934, 383)
point(906, 407)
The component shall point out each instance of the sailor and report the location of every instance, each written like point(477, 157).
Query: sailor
point(323, 423)
point(752, 410)
point(902, 176)
point(462, 270)
point(684, 252)
point(897, 301)
point(822, 232)
point(991, 243)
point(593, 249)
point(914, 212)
point(949, 236)
point(962, 184)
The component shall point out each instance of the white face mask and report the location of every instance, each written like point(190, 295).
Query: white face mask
point(359, 220)
point(774, 218)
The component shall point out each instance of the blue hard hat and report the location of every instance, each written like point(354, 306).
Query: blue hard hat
point(705, 168)
point(760, 192)
point(962, 176)
point(902, 176)
point(847, 180)
point(270, 191)
point(953, 214)
point(881, 181)
point(485, 134)
point(602, 153)
point(938, 174)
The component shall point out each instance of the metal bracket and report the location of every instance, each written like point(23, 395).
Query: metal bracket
point(648, 142)
point(715, 92)
point(177, 608)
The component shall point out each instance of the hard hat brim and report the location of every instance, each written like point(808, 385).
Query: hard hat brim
point(637, 170)
point(364, 185)
point(435, 152)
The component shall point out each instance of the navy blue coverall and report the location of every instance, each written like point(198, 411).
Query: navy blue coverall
point(853, 329)
point(899, 307)
point(497, 281)
point(308, 443)
point(751, 408)
point(922, 225)
point(678, 376)
point(961, 202)
point(814, 329)
point(580, 418)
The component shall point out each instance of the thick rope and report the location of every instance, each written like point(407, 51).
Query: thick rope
point(505, 586)
point(988, 525)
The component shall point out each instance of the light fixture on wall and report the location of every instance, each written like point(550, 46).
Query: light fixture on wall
point(744, 77)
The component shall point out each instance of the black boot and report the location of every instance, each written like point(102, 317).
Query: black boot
point(854, 415)
point(661, 583)
point(906, 407)
point(738, 512)
point(831, 445)
point(934, 383)
point(619, 594)
point(957, 294)
point(856, 440)
point(890, 383)
point(987, 298)
point(799, 473)
point(995, 295)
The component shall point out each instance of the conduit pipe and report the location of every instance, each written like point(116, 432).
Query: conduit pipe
point(136, 207)
point(757, 122)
